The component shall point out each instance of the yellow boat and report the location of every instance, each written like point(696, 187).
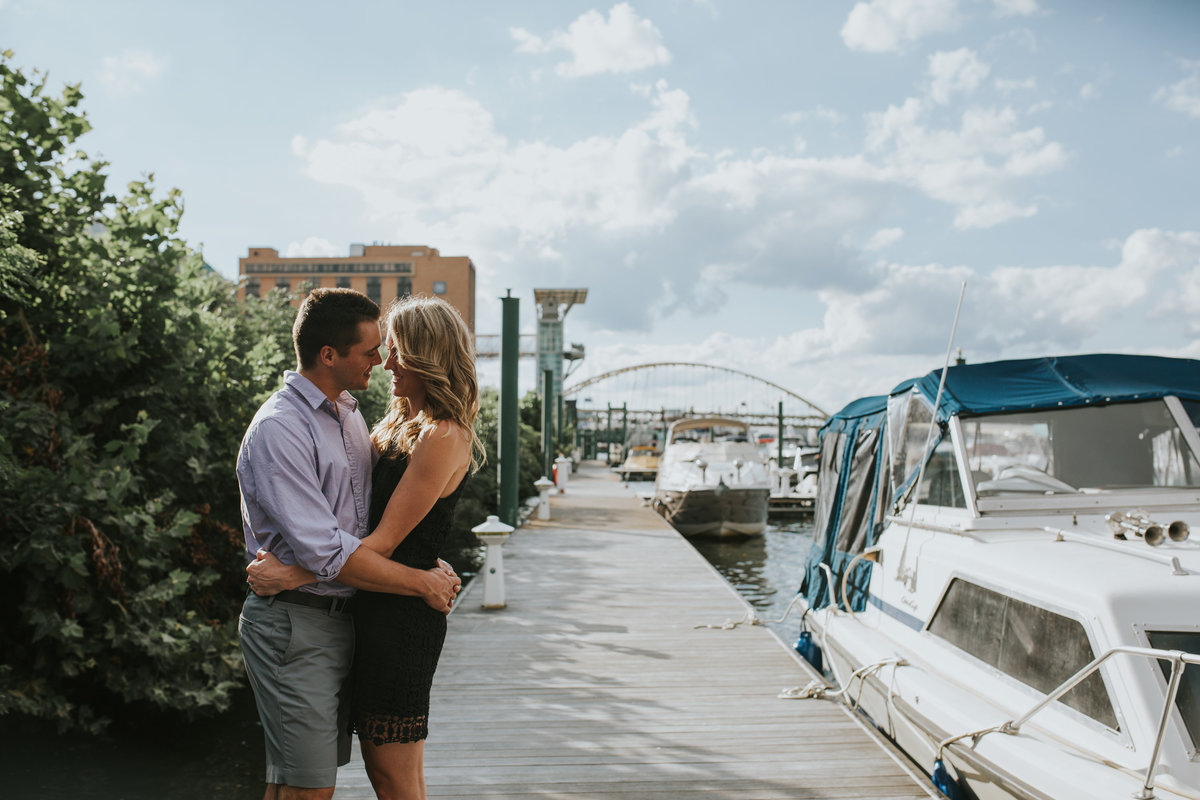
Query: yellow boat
point(641, 464)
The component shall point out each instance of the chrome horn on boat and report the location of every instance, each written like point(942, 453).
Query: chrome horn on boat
point(1136, 523)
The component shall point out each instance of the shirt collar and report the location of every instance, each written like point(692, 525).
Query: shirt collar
point(313, 395)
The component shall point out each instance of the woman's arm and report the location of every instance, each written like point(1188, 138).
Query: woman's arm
point(441, 453)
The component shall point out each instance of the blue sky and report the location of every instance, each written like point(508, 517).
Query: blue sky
point(795, 189)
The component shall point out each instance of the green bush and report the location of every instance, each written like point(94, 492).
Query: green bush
point(128, 372)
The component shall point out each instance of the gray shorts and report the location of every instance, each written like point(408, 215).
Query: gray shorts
point(298, 659)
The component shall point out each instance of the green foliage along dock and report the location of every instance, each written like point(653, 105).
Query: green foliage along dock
point(595, 682)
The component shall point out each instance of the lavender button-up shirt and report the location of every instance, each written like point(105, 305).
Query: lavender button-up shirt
point(304, 469)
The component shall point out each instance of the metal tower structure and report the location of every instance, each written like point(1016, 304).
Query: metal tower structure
point(553, 305)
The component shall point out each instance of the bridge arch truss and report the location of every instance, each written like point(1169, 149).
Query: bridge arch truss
point(662, 391)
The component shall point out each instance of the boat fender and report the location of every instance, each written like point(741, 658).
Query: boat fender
point(944, 783)
point(810, 651)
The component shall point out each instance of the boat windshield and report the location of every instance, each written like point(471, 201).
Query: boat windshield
point(1069, 450)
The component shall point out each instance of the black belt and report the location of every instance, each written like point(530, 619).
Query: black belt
point(324, 602)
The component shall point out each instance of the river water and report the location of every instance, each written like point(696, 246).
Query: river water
point(222, 757)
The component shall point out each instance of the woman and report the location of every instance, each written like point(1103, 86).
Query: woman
point(427, 446)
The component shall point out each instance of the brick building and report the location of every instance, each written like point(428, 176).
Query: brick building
point(381, 272)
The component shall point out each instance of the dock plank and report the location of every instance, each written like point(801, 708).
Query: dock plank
point(596, 682)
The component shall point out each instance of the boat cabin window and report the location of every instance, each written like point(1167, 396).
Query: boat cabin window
point(1065, 450)
point(1188, 699)
point(1039, 648)
point(941, 485)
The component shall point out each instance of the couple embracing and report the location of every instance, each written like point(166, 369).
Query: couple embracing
point(345, 624)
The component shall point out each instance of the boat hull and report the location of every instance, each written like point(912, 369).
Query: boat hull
point(719, 511)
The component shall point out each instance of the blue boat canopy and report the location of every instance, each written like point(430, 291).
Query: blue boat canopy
point(854, 489)
point(1065, 381)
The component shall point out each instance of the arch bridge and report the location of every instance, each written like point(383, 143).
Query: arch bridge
point(649, 397)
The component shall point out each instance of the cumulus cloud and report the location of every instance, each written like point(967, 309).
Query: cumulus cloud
point(820, 113)
point(622, 43)
point(1011, 85)
point(649, 201)
point(1184, 95)
point(976, 168)
point(958, 71)
point(433, 167)
point(1016, 8)
point(884, 237)
point(870, 338)
point(1011, 310)
point(882, 26)
point(129, 71)
point(312, 247)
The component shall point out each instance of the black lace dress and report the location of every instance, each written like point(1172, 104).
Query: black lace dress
point(399, 639)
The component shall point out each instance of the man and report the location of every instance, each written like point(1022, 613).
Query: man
point(304, 469)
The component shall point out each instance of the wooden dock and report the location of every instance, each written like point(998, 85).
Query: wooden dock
point(595, 683)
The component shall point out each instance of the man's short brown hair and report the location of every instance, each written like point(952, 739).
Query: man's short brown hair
point(330, 317)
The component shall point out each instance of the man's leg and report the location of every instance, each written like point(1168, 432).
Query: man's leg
point(297, 659)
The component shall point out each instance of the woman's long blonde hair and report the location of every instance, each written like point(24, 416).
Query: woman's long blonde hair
point(432, 342)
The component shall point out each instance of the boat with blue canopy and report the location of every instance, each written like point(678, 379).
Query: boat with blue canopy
point(1002, 577)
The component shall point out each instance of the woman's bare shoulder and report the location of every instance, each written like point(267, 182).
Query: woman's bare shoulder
point(443, 429)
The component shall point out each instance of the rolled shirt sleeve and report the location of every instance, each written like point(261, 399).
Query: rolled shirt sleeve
point(304, 473)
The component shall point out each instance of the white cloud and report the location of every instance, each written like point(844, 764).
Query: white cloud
point(623, 43)
point(433, 167)
point(1011, 311)
point(976, 168)
point(1089, 91)
point(869, 339)
point(882, 26)
point(820, 113)
point(1010, 85)
point(884, 237)
point(1016, 8)
point(128, 72)
point(957, 71)
point(1183, 96)
point(312, 247)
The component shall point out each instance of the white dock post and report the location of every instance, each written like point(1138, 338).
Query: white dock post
point(544, 485)
point(562, 470)
point(785, 481)
point(494, 534)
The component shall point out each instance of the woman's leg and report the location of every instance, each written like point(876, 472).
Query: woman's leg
point(397, 771)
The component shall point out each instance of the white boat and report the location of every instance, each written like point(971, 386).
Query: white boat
point(711, 480)
point(640, 464)
point(1016, 595)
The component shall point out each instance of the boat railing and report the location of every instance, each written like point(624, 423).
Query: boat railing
point(1179, 660)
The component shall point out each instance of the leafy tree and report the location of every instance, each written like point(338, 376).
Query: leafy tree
point(128, 372)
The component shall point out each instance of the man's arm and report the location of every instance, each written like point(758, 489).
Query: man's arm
point(371, 571)
point(287, 491)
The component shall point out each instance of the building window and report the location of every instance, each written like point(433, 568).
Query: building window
point(283, 284)
point(403, 287)
point(373, 290)
point(343, 283)
point(439, 287)
point(252, 287)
